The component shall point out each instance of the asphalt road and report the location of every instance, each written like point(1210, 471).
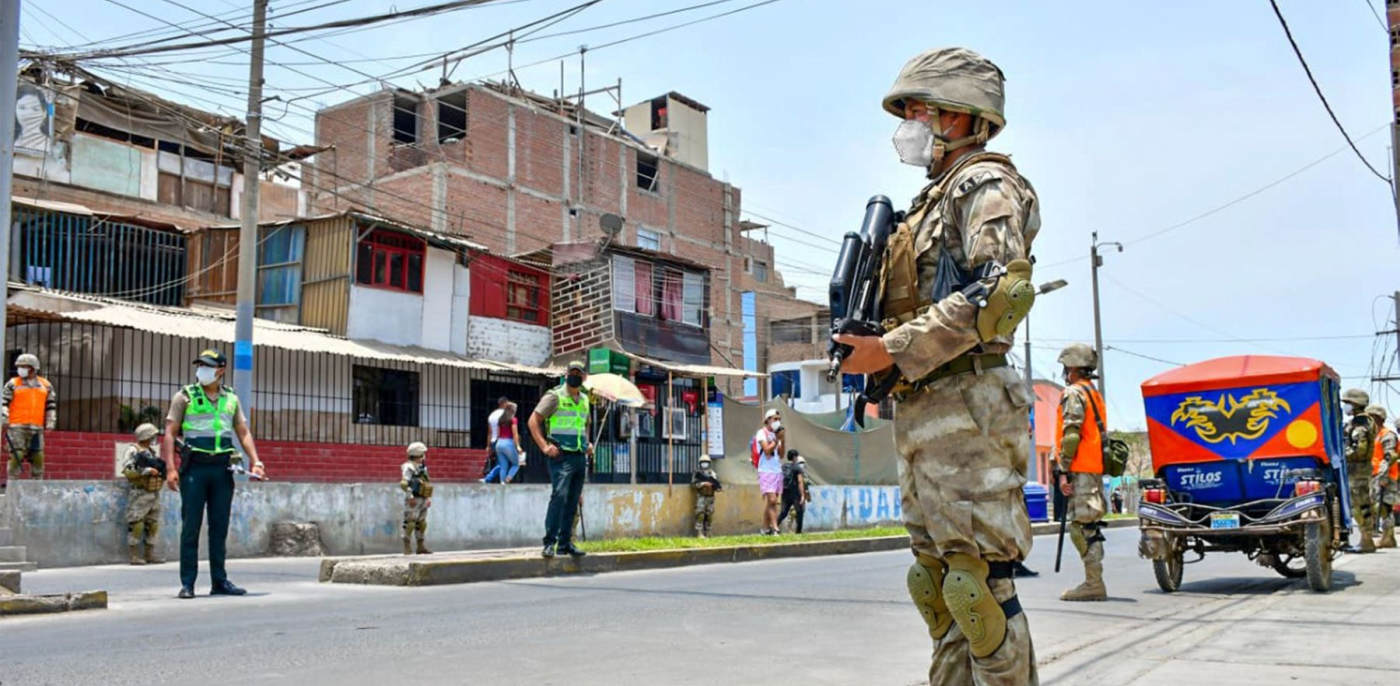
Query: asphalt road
point(833, 620)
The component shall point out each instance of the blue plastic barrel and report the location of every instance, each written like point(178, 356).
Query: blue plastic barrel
point(1036, 501)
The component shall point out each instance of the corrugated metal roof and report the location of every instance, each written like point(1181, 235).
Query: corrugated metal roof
point(189, 324)
point(426, 234)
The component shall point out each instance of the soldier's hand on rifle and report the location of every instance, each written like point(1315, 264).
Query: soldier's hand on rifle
point(1066, 487)
point(868, 354)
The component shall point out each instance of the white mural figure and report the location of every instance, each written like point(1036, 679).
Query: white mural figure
point(32, 126)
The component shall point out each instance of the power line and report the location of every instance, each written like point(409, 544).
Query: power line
point(1377, 15)
point(1318, 90)
point(1145, 357)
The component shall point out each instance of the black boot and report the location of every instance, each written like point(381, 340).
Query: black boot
point(548, 551)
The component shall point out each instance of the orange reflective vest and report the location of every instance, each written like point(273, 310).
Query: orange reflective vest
point(27, 405)
point(1088, 457)
point(1378, 456)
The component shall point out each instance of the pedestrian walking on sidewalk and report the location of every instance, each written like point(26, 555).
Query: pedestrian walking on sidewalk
point(145, 474)
point(28, 408)
point(560, 423)
point(209, 417)
point(418, 497)
point(504, 428)
point(796, 494)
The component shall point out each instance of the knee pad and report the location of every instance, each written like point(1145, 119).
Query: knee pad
point(972, 605)
point(152, 528)
point(925, 580)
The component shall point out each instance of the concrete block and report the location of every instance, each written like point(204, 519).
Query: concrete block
point(9, 580)
point(295, 539)
point(11, 553)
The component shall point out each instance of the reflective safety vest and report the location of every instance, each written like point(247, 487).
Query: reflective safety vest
point(1378, 456)
point(568, 426)
point(1088, 458)
point(29, 402)
point(208, 426)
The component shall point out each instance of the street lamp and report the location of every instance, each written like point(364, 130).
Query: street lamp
point(1046, 287)
point(1097, 261)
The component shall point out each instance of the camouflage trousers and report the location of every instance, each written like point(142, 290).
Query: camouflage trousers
point(704, 513)
point(1362, 509)
point(142, 516)
point(26, 444)
point(1086, 509)
point(962, 447)
point(415, 517)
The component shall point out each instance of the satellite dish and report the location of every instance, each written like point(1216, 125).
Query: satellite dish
point(611, 223)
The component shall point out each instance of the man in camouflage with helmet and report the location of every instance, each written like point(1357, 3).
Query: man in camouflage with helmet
point(961, 428)
point(28, 408)
point(1385, 466)
point(1361, 432)
point(418, 497)
point(145, 474)
point(1079, 466)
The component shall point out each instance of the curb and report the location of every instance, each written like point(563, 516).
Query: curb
point(395, 570)
point(49, 604)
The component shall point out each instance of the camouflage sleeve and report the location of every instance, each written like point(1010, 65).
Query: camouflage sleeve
point(6, 396)
point(1073, 406)
point(1359, 442)
point(997, 217)
point(1390, 443)
point(51, 407)
point(129, 469)
point(405, 473)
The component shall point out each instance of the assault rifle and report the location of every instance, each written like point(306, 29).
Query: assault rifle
point(854, 295)
point(146, 459)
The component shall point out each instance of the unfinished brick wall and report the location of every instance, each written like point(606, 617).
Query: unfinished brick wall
point(582, 297)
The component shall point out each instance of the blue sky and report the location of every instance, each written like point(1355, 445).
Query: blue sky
point(1128, 117)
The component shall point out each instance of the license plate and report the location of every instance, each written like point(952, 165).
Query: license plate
point(1224, 520)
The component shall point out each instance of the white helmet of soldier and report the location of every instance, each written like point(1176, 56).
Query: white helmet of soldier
point(417, 449)
point(1357, 398)
point(1079, 356)
point(28, 360)
point(704, 460)
point(1377, 412)
point(146, 432)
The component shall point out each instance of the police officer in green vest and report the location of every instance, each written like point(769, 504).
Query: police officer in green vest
point(209, 418)
point(564, 413)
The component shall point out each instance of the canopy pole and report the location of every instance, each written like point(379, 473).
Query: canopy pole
point(670, 433)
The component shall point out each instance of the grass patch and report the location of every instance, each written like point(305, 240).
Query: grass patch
point(629, 545)
point(1120, 516)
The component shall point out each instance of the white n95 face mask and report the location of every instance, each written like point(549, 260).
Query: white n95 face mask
point(914, 141)
point(205, 375)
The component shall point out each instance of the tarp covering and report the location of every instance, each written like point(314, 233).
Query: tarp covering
point(833, 456)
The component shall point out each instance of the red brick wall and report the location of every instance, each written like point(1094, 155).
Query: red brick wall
point(73, 455)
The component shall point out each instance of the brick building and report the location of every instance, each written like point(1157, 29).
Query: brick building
point(520, 172)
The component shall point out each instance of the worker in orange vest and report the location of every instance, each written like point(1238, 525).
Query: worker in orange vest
point(1079, 435)
point(28, 406)
point(1385, 468)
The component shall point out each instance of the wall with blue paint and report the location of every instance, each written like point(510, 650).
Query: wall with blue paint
point(66, 523)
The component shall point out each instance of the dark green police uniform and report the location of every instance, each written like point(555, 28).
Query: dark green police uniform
point(568, 429)
point(206, 483)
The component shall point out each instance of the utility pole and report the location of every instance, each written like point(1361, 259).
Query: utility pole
point(9, 82)
point(248, 234)
point(1096, 261)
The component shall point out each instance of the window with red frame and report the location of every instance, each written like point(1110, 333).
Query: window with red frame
point(523, 297)
point(385, 259)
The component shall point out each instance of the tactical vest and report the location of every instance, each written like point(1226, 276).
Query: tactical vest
point(568, 426)
point(1357, 454)
point(1088, 457)
point(208, 427)
point(901, 299)
point(419, 485)
point(1378, 456)
point(27, 407)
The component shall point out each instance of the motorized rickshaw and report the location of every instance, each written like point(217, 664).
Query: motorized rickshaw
point(1247, 457)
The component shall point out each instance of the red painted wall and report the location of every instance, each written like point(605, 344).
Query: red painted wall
point(72, 455)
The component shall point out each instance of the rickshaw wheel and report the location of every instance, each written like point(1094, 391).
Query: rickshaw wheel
point(1290, 566)
point(1317, 547)
point(1168, 571)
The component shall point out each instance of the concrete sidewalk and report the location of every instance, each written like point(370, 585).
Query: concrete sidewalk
point(523, 563)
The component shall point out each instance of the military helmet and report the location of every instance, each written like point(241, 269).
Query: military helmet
point(1356, 396)
point(1377, 412)
point(28, 360)
point(417, 449)
point(146, 432)
point(955, 79)
point(704, 460)
point(1079, 356)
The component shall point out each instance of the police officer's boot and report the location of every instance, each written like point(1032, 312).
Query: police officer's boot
point(1368, 541)
point(135, 554)
point(407, 546)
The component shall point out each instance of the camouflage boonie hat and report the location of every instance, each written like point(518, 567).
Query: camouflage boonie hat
point(146, 432)
point(954, 79)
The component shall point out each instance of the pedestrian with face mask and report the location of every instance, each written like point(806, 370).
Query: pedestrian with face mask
point(28, 408)
point(962, 426)
point(769, 443)
point(560, 424)
point(209, 418)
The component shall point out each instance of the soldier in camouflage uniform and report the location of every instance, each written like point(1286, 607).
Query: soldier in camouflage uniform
point(1361, 434)
point(1385, 463)
point(1079, 466)
point(706, 484)
point(28, 407)
point(418, 494)
point(143, 495)
point(961, 428)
